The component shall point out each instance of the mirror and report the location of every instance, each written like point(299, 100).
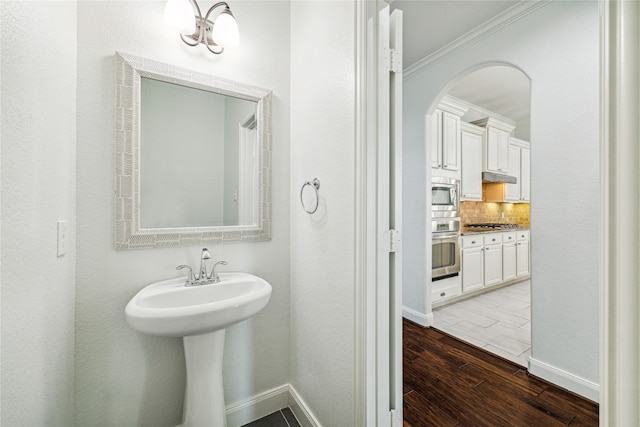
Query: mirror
point(193, 156)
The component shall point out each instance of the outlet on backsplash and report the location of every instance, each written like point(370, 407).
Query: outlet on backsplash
point(480, 212)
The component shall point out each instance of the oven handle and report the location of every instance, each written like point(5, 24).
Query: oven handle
point(438, 236)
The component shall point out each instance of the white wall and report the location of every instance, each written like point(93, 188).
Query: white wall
point(322, 244)
point(123, 377)
point(38, 189)
point(557, 47)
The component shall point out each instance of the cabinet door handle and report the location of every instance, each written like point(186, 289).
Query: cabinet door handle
point(473, 242)
point(442, 294)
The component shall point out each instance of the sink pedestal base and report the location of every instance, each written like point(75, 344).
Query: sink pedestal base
point(204, 394)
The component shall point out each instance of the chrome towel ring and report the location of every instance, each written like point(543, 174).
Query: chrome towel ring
point(315, 184)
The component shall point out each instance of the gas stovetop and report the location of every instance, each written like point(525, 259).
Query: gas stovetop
point(492, 226)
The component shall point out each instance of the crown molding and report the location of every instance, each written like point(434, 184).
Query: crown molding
point(479, 110)
point(482, 31)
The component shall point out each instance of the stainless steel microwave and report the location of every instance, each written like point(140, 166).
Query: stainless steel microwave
point(444, 197)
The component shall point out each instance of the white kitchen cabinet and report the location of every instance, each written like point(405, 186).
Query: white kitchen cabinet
point(522, 254)
point(509, 256)
point(495, 146)
point(492, 259)
point(472, 263)
point(440, 293)
point(445, 134)
point(471, 171)
point(525, 174)
point(520, 167)
point(512, 191)
point(436, 140)
point(497, 150)
point(450, 141)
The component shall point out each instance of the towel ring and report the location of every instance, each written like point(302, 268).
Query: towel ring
point(316, 186)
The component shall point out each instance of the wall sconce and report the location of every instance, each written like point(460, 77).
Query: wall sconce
point(195, 30)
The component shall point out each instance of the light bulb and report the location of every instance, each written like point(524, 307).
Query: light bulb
point(179, 15)
point(225, 30)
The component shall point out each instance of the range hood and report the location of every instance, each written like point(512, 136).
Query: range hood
point(498, 177)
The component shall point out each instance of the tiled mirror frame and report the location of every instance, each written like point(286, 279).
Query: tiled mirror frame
point(128, 234)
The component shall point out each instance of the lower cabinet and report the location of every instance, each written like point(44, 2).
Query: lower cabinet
point(492, 264)
point(441, 291)
point(473, 266)
point(509, 256)
point(493, 258)
point(522, 254)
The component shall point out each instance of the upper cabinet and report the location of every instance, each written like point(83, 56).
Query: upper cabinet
point(495, 157)
point(471, 174)
point(445, 135)
point(519, 166)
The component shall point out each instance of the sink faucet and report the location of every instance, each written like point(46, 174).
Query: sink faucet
point(203, 264)
point(202, 278)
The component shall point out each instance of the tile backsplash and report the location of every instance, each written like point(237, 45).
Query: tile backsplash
point(478, 212)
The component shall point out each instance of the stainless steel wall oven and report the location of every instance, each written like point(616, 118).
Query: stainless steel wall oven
point(445, 249)
point(445, 228)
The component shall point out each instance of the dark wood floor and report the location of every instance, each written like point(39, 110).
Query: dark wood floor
point(450, 383)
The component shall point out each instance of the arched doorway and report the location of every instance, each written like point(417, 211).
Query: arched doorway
point(480, 141)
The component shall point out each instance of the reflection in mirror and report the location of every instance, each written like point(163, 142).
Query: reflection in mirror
point(177, 174)
point(193, 157)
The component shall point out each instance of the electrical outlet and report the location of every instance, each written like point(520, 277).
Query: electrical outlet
point(62, 237)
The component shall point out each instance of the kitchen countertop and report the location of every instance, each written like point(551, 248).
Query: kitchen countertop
point(470, 231)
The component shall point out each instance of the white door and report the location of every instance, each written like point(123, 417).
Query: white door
point(389, 183)
point(248, 176)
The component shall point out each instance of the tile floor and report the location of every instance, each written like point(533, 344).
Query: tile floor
point(281, 418)
point(498, 321)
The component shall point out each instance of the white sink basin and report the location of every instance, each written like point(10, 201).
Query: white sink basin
point(170, 309)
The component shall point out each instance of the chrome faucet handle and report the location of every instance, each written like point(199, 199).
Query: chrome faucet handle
point(214, 278)
point(203, 264)
point(191, 278)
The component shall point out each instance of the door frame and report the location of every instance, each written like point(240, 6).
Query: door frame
point(620, 211)
point(374, 351)
point(619, 244)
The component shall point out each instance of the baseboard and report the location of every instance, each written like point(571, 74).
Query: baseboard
point(421, 319)
point(301, 410)
point(564, 379)
point(268, 402)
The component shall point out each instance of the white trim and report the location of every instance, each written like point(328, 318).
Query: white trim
point(365, 331)
point(268, 402)
point(301, 410)
point(620, 210)
point(425, 320)
point(258, 406)
point(564, 379)
point(361, 332)
point(482, 111)
point(491, 26)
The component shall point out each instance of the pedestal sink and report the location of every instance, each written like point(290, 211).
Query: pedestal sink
point(200, 315)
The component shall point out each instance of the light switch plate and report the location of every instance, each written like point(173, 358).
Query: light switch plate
point(62, 237)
